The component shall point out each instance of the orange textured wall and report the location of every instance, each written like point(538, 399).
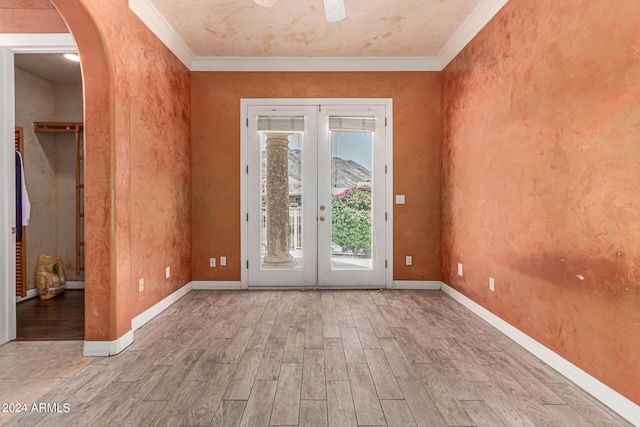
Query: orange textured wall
point(541, 169)
point(30, 16)
point(215, 158)
point(137, 121)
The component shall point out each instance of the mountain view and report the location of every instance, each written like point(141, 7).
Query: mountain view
point(345, 173)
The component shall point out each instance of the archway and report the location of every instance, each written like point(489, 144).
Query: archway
point(100, 310)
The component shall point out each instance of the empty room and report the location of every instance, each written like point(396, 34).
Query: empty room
point(325, 213)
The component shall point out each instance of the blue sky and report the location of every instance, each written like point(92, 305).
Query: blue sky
point(352, 146)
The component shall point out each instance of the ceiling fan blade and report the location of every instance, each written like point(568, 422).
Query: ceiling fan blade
point(334, 10)
point(266, 3)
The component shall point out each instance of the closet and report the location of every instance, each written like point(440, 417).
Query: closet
point(49, 108)
point(21, 247)
point(76, 129)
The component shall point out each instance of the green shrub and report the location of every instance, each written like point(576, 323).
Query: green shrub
point(351, 216)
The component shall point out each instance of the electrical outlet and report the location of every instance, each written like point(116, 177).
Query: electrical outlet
point(167, 272)
point(460, 271)
point(223, 261)
point(408, 260)
point(212, 262)
point(140, 285)
point(492, 284)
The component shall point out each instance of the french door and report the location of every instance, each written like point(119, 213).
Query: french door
point(316, 195)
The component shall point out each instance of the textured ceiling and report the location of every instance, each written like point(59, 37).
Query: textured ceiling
point(298, 27)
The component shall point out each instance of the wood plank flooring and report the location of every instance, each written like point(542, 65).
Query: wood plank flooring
point(57, 319)
point(318, 358)
point(30, 370)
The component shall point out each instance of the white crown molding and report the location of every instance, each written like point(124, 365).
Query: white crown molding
point(152, 18)
point(108, 348)
point(611, 398)
point(417, 284)
point(320, 63)
point(480, 17)
point(210, 285)
point(138, 321)
point(38, 43)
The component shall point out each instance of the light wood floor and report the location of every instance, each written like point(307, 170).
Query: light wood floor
point(30, 370)
point(318, 358)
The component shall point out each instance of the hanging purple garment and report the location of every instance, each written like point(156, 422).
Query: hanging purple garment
point(18, 198)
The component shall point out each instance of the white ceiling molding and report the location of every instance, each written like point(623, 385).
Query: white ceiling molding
point(152, 18)
point(469, 29)
point(38, 43)
point(279, 63)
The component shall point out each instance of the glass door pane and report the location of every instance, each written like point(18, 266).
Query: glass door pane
point(351, 200)
point(281, 195)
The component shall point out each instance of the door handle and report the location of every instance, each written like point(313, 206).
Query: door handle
point(321, 207)
point(321, 218)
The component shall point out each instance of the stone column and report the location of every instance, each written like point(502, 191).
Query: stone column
point(277, 201)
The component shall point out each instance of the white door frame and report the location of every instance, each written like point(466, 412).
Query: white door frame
point(244, 137)
point(11, 44)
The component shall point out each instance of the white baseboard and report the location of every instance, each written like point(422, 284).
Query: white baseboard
point(417, 284)
point(397, 284)
point(74, 285)
point(31, 293)
point(138, 321)
point(611, 398)
point(210, 285)
point(108, 348)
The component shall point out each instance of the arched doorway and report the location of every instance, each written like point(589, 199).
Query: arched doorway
point(99, 140)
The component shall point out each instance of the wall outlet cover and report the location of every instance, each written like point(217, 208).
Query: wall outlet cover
point(460, 270)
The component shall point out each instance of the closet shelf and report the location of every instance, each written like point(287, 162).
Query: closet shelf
point(58, 127)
